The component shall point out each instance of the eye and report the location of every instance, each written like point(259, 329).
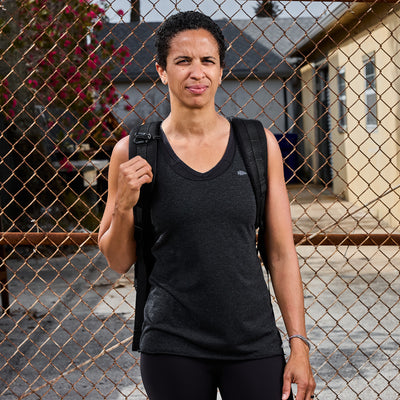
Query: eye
point(182, 61)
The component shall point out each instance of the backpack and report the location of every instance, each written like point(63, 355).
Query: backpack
point(143, 141)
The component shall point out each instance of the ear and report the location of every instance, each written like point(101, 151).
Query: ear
point(220, 76)
point(162, 73)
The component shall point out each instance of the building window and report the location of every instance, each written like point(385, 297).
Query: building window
point(370, 93)
point(342, 100)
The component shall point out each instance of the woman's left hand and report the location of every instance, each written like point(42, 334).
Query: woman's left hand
point(298, 371)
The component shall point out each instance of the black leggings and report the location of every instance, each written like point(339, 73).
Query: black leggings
point(169, 377)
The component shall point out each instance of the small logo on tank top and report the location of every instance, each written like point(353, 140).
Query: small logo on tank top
point(241, 172)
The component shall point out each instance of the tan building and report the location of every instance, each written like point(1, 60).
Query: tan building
point(351, 100)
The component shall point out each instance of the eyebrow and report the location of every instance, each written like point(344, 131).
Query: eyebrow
point(189, 58)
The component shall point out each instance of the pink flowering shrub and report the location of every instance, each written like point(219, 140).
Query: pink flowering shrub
point(67, 66)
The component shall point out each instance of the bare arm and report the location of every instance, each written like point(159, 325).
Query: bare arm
point(285, 273)
point(116, 234)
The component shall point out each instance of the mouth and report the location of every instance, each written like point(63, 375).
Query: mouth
point(197, 89)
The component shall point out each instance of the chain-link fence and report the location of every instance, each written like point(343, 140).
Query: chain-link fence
point(77, 75)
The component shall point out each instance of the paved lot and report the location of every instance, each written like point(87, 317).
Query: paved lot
point(67, 310)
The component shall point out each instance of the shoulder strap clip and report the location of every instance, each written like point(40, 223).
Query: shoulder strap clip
point(141, 137)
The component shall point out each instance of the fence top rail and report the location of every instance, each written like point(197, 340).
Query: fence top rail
point(344, 239)
point(47, 238)
point(89, 238)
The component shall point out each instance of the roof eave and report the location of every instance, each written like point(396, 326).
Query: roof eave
point(338, 17)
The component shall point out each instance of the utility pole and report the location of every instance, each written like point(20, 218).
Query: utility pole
point(135, 10)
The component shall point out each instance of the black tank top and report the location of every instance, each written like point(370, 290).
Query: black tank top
point(208, 296)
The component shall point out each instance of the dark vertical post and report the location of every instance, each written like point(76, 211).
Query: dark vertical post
point(5, 300)
point(135, 10)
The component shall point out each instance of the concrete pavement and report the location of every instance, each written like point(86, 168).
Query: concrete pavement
point(69, 330)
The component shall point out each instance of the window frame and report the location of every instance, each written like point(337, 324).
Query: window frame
point(342, 100)
point(370, 91)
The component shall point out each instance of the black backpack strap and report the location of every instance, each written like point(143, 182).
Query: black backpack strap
point(252, 142)
point(143, 141)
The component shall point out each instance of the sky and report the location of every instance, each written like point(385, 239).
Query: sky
point(155, 10)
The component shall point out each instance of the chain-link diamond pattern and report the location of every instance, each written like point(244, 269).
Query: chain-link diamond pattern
point(76, 77)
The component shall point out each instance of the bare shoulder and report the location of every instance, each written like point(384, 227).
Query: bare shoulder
point(120, 152)
point(275, 161)
point(274, 150)
point(271, 139)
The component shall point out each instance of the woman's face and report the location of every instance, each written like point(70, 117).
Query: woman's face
point(193, 72)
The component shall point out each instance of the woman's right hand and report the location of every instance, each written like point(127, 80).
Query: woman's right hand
point(125, 179)
point(132, 175)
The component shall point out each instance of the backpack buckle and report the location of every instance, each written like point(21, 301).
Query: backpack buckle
point(141, 137)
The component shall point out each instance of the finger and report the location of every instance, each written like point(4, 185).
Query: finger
point(145, 170)
point(144, 179)
point(306, 391)
point(286, 387)
point(133, 172)
point(129, 191)
point(135, 183)
point(136, 161)
point(301, 394)
point(311, 391)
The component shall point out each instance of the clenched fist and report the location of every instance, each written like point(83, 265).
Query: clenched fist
point(132, 175)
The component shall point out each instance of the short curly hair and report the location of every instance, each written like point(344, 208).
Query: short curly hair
point(184, 21)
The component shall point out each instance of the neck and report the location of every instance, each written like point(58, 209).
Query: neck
point(192, 122)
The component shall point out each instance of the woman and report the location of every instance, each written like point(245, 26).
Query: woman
point(208, 318)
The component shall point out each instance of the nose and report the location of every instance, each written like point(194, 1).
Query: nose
point(197, 71)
